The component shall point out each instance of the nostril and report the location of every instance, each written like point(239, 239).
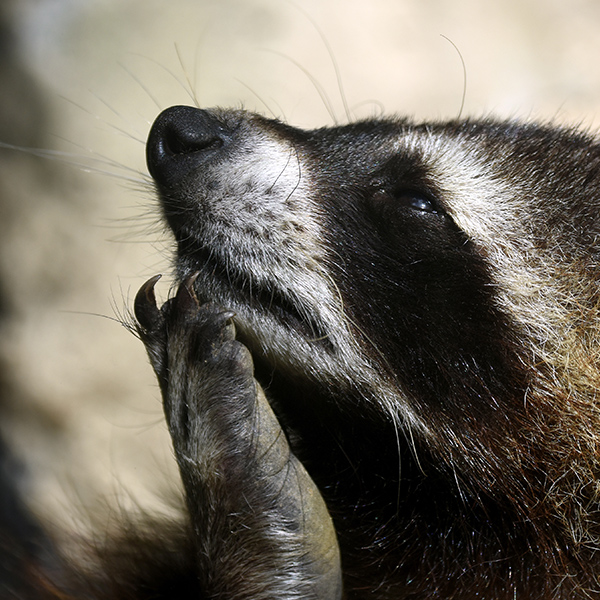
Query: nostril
point(181, 139)
point(177, 142)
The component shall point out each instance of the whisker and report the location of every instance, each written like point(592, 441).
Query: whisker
point(315, 82)
point(333, 60)
point(142, 85)
point(190, 87)
point(259, 98)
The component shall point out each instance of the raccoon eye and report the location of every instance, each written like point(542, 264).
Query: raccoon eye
point(416, 201)
point(407, 198)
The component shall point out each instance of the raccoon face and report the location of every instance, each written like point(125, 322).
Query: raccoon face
point(413, 266)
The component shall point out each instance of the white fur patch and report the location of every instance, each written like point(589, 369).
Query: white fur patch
point(497, 217)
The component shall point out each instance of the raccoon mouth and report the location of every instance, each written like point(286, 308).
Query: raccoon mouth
point(259, 299)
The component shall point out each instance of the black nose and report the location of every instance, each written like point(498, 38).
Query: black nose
point(181, 139)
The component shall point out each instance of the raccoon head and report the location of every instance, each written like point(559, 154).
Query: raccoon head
point(441, 275)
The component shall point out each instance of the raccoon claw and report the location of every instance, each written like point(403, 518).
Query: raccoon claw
point(144, 306)
point(186, 299)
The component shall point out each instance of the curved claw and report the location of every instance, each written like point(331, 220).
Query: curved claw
point(186, 299)
point(144, 305)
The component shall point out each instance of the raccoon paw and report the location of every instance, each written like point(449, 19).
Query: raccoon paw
point(259, 518)
point(206, 376)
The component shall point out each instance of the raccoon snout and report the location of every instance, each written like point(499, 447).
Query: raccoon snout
point(182, 139)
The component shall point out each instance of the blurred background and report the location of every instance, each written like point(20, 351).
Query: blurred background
point(82, 80)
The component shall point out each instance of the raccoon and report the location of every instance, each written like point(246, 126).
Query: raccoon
point(380, 367)
point(421, 307)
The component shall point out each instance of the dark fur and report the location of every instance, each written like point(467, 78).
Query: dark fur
point(475, 476)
